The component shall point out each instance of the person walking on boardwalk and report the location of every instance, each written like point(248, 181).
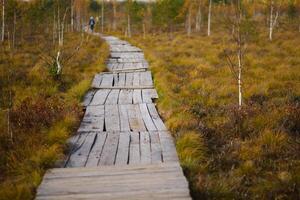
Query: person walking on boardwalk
point(92, 23)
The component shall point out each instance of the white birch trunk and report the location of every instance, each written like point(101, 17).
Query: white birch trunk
point(209, 18)
point(240, 77)
point(271, 22)
point(72, 15)
point(58, 63)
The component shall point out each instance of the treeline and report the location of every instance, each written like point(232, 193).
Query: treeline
point(193, 16)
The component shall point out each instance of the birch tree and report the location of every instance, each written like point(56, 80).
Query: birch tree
point(209, 18)
point(244, 30)
point(274, 13)
point(198, 17)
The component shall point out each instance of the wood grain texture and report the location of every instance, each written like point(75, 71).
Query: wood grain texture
point(122, 149)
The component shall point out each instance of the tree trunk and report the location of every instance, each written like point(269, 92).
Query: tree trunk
point(3, 20)
point(114, 15)
point(271, 22)
point(72, 15)
point(189, 21)
point(209, 18)
point(128, 25)
point(198, 19)
point(58, 71)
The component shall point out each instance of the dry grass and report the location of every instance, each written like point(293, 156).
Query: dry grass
point(45, 112)
point(227, 153)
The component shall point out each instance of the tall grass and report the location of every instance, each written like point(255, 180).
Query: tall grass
point(45, 111)
point(229, 153)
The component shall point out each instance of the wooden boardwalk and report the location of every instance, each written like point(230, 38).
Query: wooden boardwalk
point(122, 149)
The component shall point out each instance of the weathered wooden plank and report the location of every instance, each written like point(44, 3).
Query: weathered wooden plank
point(100, 97)
point(136, 79)
point(124, 120)
point(145, 148)
point(113, 97)
point(156, 118)
point(125, 97)
point(79, 157)
point(123, 149)
point(169, 153)
point(88, 97)
point(97, 80)
point(112, 118)
point(156, 151)
point(126, 87)
point(137, 96)
point(147, 118)
point(148, 95)
point(111, 170)
point(108, 155)
point(94, 156)
point(134, 156)
point(129, 79)
point(107, 80)
point(135, 118)
point(94, 111)
point(146, 78)
point(122, 79)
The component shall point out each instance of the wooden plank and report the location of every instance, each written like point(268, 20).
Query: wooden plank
point(97, 80)
point(136, 79)
point(146, 78)
point(169, 153)
point(88, 97)
point(94, 111)
point(137, 96)
point(94, 156)
point(156, 151)
point(126, 87)
point(148, 95)
point(135, 118)
point(122, 79)
point(123, 149)
point(93, 119)
point(100, 97)
point(145, 148)
point(113, 97)
point(107, 80)
point(147, 118)
point(129, 79)
point(79, 157)
point(125, 97)
point(112, 118)
point(156, 118)
point(108, 155)
point(134, 156)
point(124, 120)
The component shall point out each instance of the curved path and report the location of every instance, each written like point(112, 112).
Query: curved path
point(122, 149)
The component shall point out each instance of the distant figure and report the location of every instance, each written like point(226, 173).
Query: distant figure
point(92, 23)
